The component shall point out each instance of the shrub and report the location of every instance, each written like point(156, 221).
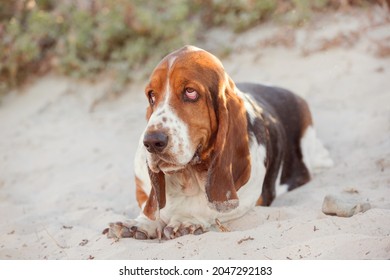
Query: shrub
point(125, 37)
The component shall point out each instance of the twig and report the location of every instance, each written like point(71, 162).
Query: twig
point(55, 241)
point(245, 239)
point(221, 226)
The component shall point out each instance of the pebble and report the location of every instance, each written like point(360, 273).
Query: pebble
point(343, 207)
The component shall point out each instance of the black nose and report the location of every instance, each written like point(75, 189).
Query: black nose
point(155, 142)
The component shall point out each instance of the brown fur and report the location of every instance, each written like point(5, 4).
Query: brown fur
point(156, 199)
point(140, 194)
point(260, 201)
point(230, 165)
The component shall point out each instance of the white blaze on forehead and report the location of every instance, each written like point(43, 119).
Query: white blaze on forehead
point(193, 48)
point(190, 48)
point(172, 57)
point(171, 60)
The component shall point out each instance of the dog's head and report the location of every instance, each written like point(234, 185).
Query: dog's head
point(194, 116)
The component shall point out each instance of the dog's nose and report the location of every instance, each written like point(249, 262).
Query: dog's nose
point(155, 142)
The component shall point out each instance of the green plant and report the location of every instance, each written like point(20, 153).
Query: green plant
point(239, 15)
point(123, 37)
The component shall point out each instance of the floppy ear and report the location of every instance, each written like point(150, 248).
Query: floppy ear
point(156, 199)
point(230, 162)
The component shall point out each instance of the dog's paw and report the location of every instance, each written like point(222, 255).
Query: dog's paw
point(176, 230)
point(140, 228)
point(116, 230)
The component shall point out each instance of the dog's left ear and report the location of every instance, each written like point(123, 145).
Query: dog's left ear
point(156, 199)
point(230, 161)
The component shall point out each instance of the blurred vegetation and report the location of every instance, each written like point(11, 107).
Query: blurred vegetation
point(122, 37)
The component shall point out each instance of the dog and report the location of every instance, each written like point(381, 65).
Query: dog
point(212, 150)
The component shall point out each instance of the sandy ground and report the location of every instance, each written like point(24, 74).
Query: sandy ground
point(66, 170)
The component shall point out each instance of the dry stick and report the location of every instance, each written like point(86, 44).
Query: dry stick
point(221, 226)
point(55, 241)
point(245, 239)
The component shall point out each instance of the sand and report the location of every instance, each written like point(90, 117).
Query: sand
point(66, 160)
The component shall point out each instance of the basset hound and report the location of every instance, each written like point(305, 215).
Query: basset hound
point(212, 150)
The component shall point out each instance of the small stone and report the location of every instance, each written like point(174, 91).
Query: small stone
point(343, 207)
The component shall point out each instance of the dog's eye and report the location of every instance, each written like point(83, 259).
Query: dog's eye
point(152, 97)
point(191, 94)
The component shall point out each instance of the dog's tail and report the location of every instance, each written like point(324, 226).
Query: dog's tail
point(315, 156)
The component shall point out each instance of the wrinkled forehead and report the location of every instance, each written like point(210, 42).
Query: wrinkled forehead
point(190, 61)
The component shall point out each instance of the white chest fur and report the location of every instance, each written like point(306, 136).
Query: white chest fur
point(187, 202)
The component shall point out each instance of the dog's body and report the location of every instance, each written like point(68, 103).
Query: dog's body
point(213, 150)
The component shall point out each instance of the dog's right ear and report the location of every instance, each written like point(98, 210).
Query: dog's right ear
point(156, 199)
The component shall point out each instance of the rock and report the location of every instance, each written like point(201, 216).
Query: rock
point(342, 206)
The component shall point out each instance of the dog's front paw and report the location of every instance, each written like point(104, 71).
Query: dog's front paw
point(125, 230)
point(174, 231)
point(140, 228)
